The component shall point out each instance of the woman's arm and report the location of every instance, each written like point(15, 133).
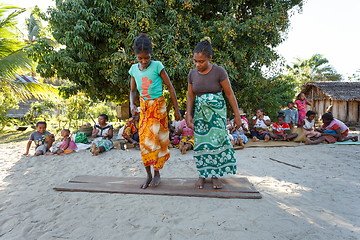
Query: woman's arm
point(133, 108)
point(233, 103)
point(110, 134)
point(302, 123)
point(165, 77)
point(189, 106)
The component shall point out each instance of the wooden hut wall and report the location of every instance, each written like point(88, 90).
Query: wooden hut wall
point(343, 111)
point(353, 111)
point(335, 109)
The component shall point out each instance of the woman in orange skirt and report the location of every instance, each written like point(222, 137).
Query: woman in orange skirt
point(147, 77)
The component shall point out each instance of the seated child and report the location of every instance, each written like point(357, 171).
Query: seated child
point(187, 141)
point(260, 122)
point(291, 115)
point(175, 134)
point(280, 129)
point(309, 125)
point(67, 146)
point(239, 134)
point(333, 130)
point(42, 138)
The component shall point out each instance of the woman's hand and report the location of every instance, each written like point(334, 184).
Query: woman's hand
point(189, 121)
point(237, 121)
point(134, 110)
point(105, 135)
point(177, 115)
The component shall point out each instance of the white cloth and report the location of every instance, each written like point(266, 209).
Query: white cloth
point(260, 123)
point(308, 125)
point(119, 136)
point(176, 124)
point(82, 146)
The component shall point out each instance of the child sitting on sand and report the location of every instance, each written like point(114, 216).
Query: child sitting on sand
point(309, 125)
point(333, 130)
point(261, 124)
point(187, 141)
point(42, 138)
point(280, 129)
point(67, 146)
point(291, 115)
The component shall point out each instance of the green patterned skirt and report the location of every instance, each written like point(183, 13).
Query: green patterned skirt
point(101, 142)
point(213, 152)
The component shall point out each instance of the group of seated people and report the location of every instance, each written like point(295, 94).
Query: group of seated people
point(182, 137)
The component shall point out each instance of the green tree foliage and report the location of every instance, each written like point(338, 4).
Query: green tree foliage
point(14, 58)
point(316, 68)
point(355, 77)
point(97, 38)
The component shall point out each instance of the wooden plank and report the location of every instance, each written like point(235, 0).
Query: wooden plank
point(353, 112)
point(232, 187)
point(320, 107)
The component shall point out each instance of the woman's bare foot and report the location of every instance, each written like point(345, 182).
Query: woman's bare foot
point(267, 138)
point(146, 183)
point(307, 141)
point(355, 139)
point(97, 151)
point(184, 149)
point(242, 142)
point(216, 184)
point(93, 147)
point(255, 139)
point(156, 180)
point(181, 146)
point(200, 183)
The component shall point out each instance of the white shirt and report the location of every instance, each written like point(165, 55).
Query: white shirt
point(261, 123)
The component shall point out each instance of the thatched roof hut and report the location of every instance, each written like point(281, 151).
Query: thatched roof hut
point(340, 98)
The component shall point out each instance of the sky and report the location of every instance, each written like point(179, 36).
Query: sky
point(327, 27)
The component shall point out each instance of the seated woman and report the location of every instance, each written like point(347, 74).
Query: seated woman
point(187, 141)
point(333, 130)
point(131, 130)
point(261, 123)
point(281, 129)
point(103, 133)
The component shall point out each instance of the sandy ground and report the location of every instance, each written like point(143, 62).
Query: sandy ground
point(319, 201)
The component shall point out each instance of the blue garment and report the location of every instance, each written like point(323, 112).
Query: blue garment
point(237, 134)
point(291, 116)
point(330, 131)
point(148, 82)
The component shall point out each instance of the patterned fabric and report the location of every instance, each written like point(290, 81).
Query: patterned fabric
point(280, 129)
point(188, 139)
point(154, 133)
point(103, 142)
point(330, 130)
point(301, 106)
point(213, 152)
point(131, 127)
point(311, 134)
point(72, 144)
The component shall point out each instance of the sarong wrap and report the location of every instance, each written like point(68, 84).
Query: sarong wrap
point(154, 132)
point(213, 152)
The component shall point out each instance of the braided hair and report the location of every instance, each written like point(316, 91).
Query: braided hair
point(142, 44)
point(204, 47)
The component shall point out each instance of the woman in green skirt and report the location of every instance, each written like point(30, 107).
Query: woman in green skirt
point(213, 152)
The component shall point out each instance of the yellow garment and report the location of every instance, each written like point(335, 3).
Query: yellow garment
point(154, 133)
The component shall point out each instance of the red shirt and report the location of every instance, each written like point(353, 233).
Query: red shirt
point(280, 129)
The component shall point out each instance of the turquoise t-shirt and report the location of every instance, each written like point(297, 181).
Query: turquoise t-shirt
point(148, 82)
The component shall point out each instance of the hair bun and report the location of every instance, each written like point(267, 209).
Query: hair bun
point(142, 35)
point(206, 39)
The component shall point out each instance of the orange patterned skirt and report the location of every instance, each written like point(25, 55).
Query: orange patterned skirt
point(154, 132)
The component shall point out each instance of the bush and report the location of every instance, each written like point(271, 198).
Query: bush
point(102, 108)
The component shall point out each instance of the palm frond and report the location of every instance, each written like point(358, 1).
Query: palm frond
point(14, 63)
